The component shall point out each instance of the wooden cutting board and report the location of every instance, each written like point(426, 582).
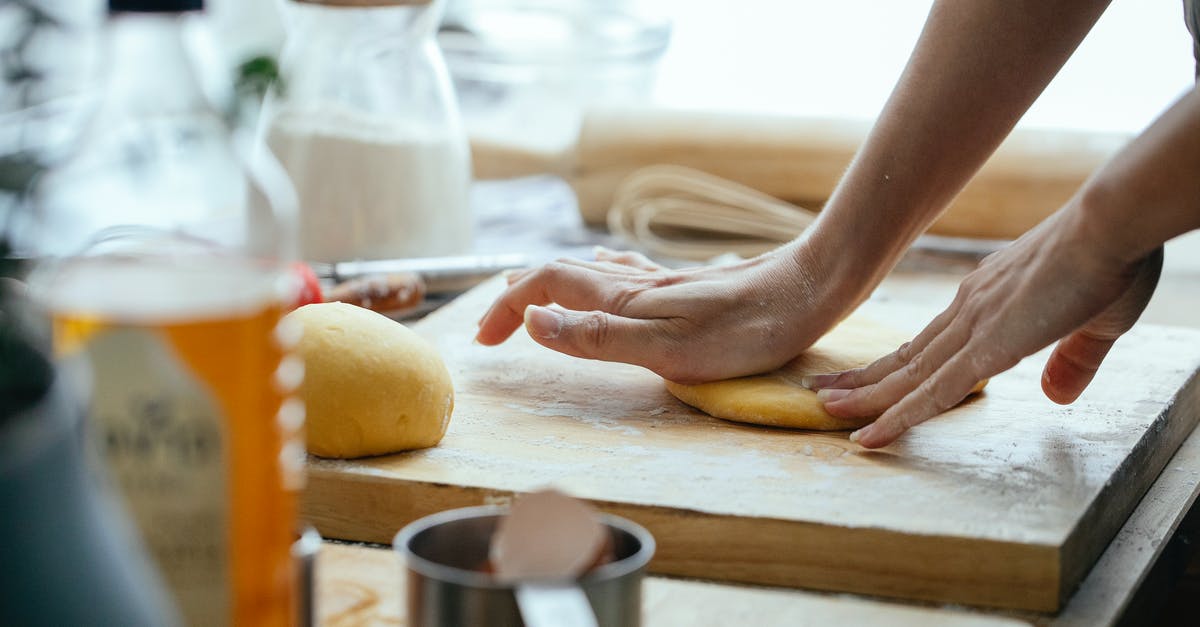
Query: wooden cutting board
point(359, 586)
point(1005, 501)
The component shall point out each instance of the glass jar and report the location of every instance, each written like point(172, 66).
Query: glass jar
point(165, 286)
point(526, 72)
point(365, 122)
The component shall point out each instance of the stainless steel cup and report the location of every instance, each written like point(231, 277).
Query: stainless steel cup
point(304, 554)
point(446, 555)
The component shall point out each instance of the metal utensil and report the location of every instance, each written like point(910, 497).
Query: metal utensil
point(440, 274)
point(448, 583)
point(547, 541)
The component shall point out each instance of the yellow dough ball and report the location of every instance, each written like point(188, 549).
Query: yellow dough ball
point(371, 385)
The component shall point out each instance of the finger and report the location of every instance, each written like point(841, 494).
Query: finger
point(886, 365)
point(1120, 315)
point(626, 258)
point(512, 276)
point(606, 267)
point(1077, 358)
point(1072, 366)
point(945, 389)
point(875, 398)
point(571, 286)
point(598, 335)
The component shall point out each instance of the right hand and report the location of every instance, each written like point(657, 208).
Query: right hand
point(689, 326)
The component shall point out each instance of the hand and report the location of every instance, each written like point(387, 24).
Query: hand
point(688, 325)
point(1054, 283)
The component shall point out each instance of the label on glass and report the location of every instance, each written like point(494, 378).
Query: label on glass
point(162, 434)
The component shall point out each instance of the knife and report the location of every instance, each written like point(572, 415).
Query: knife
point(440, 274)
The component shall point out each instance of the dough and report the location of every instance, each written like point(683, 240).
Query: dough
point(371, 385)
point(777, 399)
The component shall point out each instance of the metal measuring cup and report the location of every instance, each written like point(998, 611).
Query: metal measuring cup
point(446, 557)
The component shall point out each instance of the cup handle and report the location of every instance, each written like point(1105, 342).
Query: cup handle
point(554, 605)
point(304, 553)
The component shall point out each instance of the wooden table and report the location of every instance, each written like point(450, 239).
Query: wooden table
point(363, 585)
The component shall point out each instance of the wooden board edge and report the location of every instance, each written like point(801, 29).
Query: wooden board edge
point(1098, 526)
point(770, 552)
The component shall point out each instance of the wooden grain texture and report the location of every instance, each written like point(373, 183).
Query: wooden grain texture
point(1122, 570)
point(1005, 501)
point(360, 586)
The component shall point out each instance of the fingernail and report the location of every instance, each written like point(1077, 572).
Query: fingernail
point(858, 435)
point(829, 395)
point(814, 381)
point(818, 381)
point(542, 322)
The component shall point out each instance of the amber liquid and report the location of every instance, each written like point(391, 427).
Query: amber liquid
point(221, 324)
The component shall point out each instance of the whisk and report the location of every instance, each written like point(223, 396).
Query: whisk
point(680, 212)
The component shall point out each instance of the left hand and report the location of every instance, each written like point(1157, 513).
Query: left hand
point(1054, 283)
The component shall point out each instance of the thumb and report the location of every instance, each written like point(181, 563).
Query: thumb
point(592, 334)
point(1073, 364)
point(1077, 357)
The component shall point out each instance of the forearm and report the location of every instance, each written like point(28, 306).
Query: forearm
point(1150, 191)
point(976, 68)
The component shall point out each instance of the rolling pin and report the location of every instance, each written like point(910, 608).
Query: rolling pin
point(800, 160)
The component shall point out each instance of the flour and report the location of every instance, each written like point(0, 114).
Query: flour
point(372, 188)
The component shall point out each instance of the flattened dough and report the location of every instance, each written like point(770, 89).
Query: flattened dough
point(777, 399)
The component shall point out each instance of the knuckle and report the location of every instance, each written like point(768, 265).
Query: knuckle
point(936, 398)
point(926, 404)
point(657, 278)
point(965, 287)
point(984, 360)
point(861, 401)
point(970, 290)
point(597, 332)
point(621, 299)
point(849, 377)
point(914, 368)
point(1005, 361)
point(928, 392)
point(555, 270)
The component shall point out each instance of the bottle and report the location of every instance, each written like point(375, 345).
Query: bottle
point(366, 123)
point(52, 506)
point(167, 283)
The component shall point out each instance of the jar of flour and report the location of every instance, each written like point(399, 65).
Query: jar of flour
point(365, 122)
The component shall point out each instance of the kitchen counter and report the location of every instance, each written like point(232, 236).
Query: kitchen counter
point(359, 585)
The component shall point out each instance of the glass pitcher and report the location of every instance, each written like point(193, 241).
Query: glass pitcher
point(365, 122)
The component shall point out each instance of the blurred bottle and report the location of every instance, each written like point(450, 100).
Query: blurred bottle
point(70, 555)
point(365, 122)
point(168, 283)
